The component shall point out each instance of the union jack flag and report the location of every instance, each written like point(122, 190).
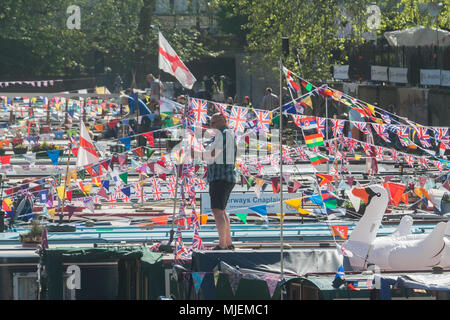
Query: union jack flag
point(362, 126)
point(444, 145)
point(386, 118)
point(172, 188)
point(321, 122)
point(424, 137)
point(438, 165)
point(197, 243)
point(155, 187)
point(181, 253)
point(352, 145)
point(222, 108)
point(441, 134)
point(379, 153)
point(202, 184)
point(403, 135)
point(263, 118)
point(331, 147)
point(258, 166)
point(409, 159)
point(424, 161)
point(287, 159)
point(301, 154)
point(366, 148)
point(199, 109)
point(394, 155)
point(245, 170)
point(238, 118)
point(337, 127)
point(297, 119)
point(381, 131)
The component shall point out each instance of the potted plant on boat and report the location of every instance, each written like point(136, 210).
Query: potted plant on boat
point(33, 237)
point(20, 149)
point(41, 148)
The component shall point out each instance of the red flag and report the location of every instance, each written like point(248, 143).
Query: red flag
point(396, 191)
point(5, 159)
point(150, 138)
point(341, 231)
point(324, 178)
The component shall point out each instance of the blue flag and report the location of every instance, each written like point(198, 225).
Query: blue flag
point(54, 156)
point(126, 141)
point(43, 196)
point(126, 191)
point(105, 184)
point(339, 278)
point(261, 210)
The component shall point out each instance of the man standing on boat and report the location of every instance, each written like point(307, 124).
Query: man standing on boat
point(222, 177)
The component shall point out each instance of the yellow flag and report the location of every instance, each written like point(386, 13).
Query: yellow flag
point(303, 211)
point(372, 108)
point(51, 212)
point(308, 102)
point(87, 188)
point(6, 206)
point(260, 182)
point(357, 156)
point(97, 181)
point(279, 215)
point(71, 175)
point(60, 190)
point(294, 203)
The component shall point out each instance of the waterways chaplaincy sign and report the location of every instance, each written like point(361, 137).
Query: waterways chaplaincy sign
point(242, 201)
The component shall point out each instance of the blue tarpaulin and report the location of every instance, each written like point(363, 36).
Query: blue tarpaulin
point(143, 110)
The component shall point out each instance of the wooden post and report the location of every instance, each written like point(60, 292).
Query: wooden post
point(66, 111)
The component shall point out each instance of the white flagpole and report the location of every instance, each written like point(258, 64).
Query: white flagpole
point(281, 179)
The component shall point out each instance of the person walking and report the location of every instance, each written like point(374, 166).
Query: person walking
point(270, 100)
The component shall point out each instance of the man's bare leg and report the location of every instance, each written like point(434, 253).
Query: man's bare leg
point(223, 227)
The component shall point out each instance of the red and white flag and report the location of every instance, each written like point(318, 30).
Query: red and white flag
point(170, 62)
point(86, 152)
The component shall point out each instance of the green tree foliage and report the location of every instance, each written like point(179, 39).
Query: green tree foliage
point(115, 35)
point(323, 30)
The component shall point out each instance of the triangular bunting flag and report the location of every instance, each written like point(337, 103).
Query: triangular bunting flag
point(124, 177)
point(54, 156)
point(242, 216)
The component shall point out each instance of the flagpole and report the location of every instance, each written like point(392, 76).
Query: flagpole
point(326, 127)
point(65, 182)
point(281, 181)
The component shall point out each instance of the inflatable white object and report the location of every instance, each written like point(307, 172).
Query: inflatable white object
point(405, 234)
point(399, 251)
point(445, 259)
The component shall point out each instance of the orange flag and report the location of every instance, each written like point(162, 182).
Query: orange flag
point(341, 231)
point(99, 127)
point(160, 220)
point(396, 191)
